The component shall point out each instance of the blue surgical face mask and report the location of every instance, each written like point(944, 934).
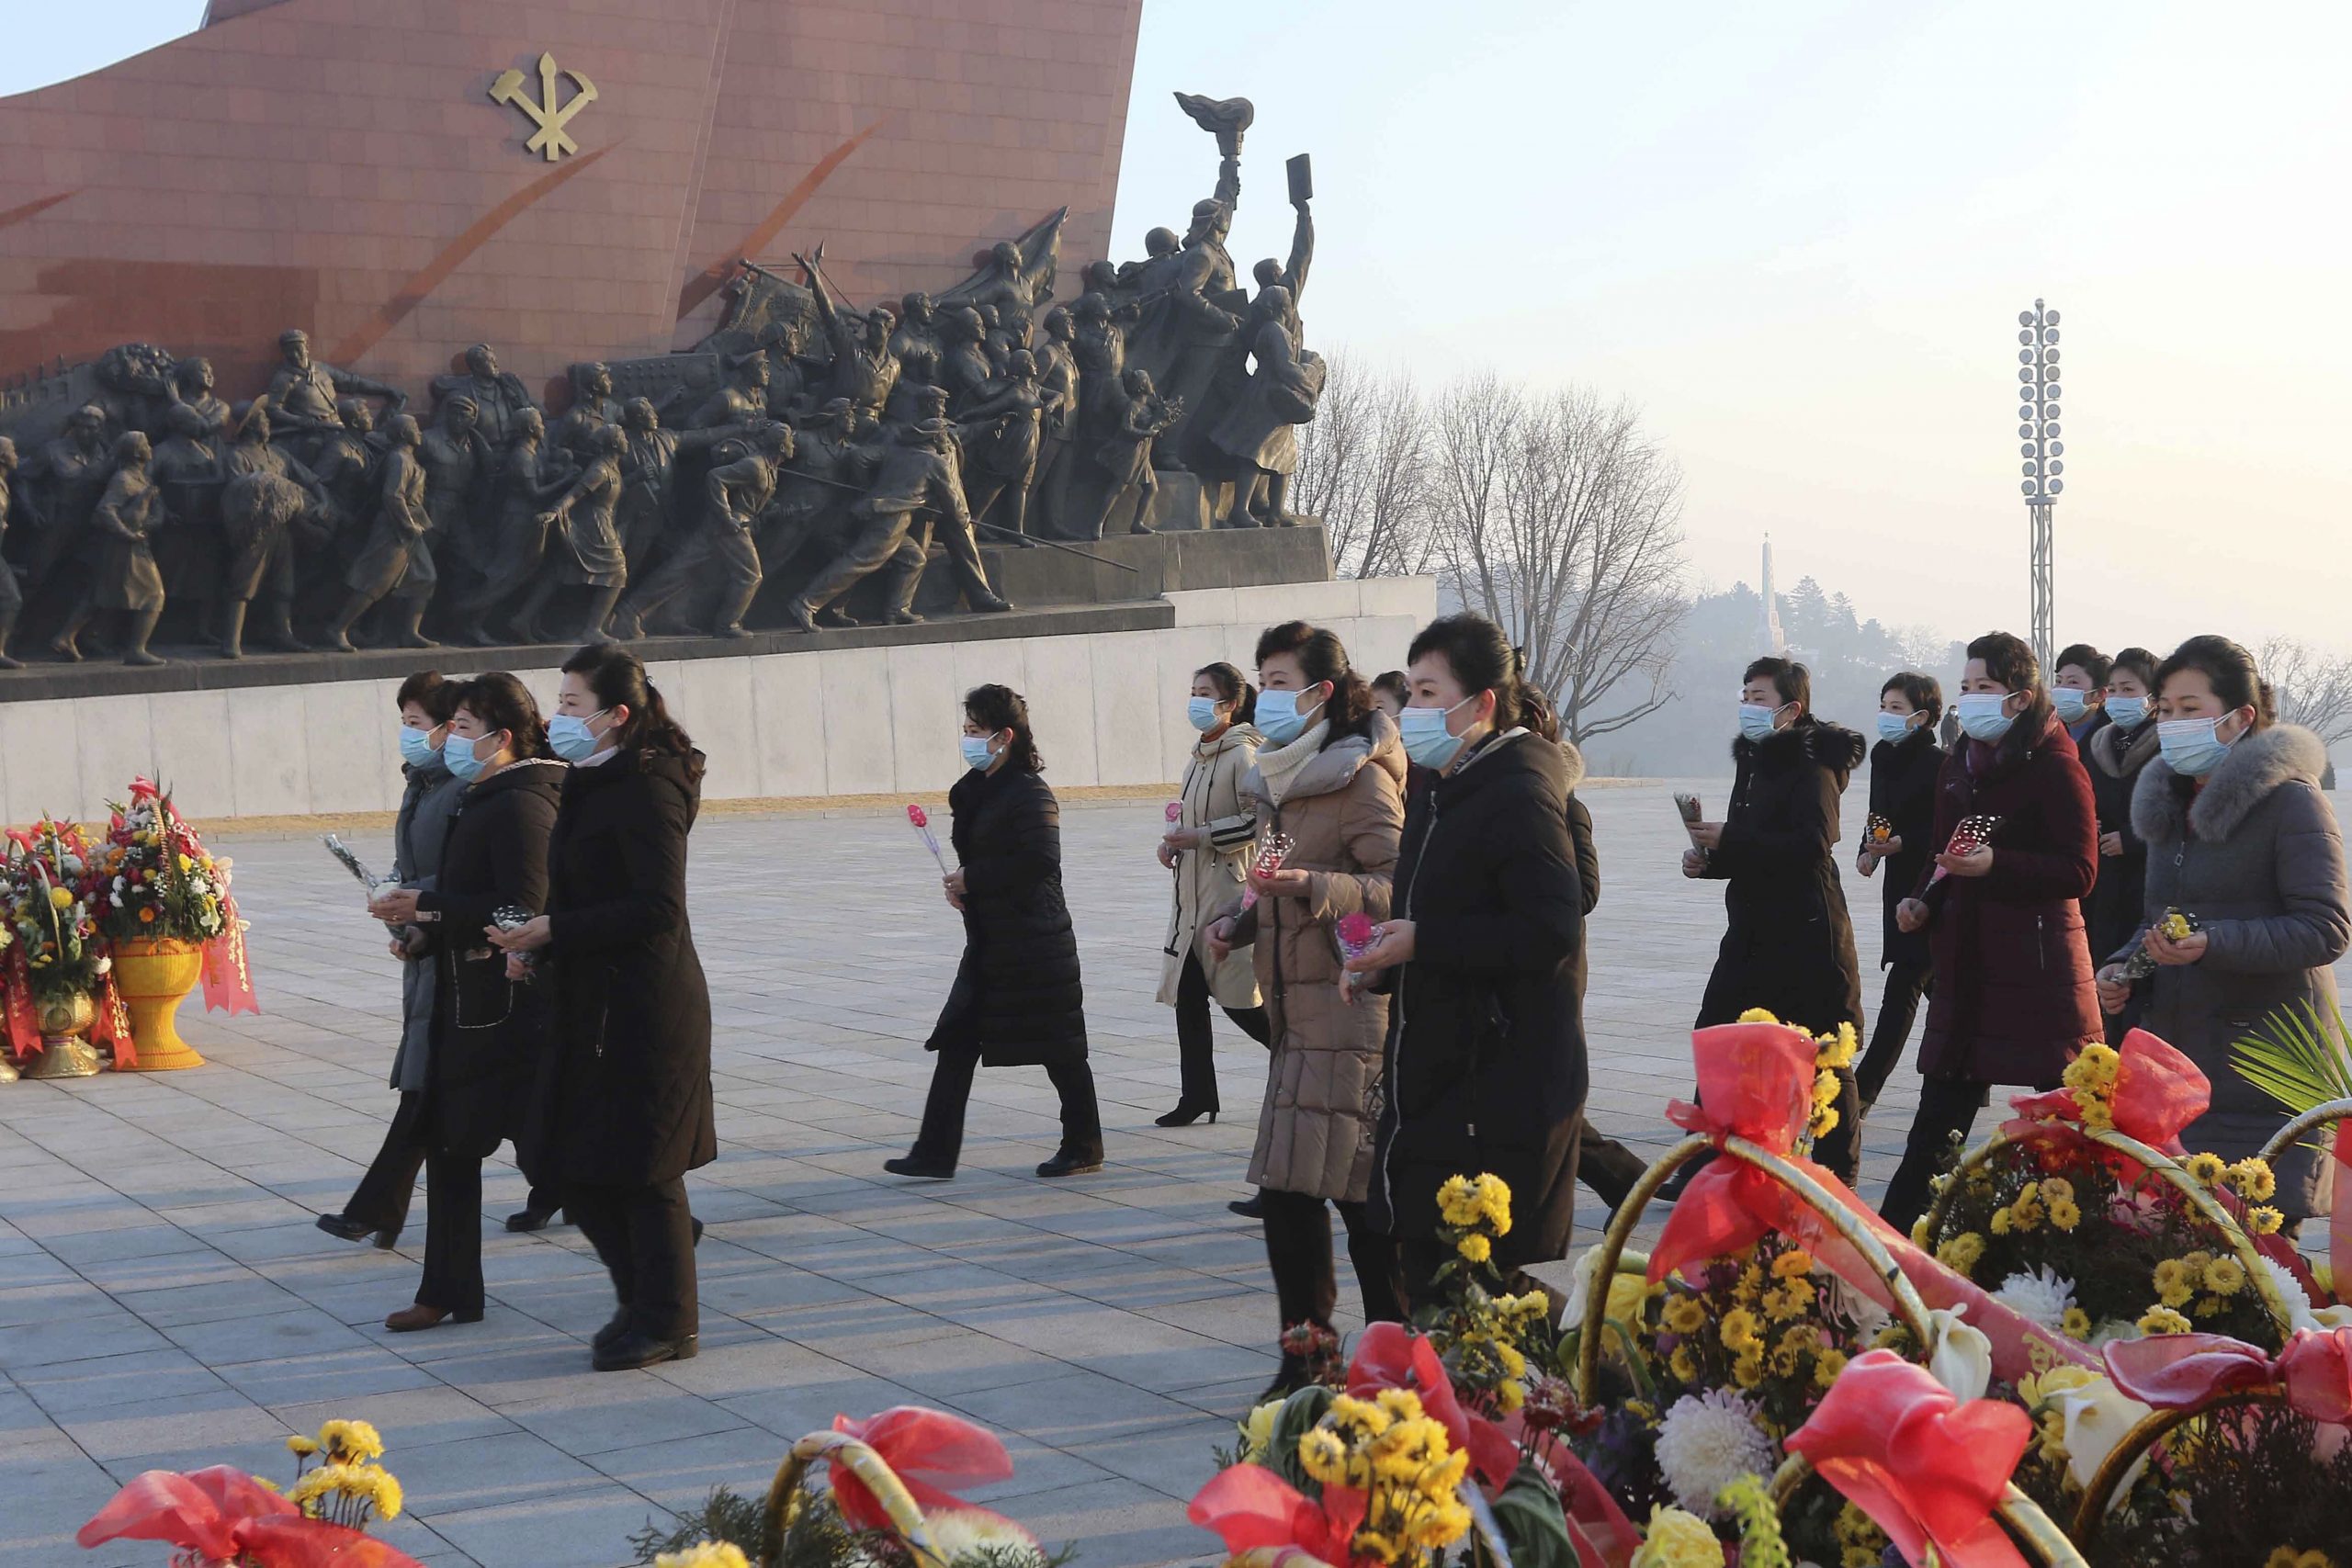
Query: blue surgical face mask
point(2071, 703)
point(2127, 711)
point(1203, 712)
point(976, 751)
point(2191, 745)
point(1981, 717)
point(571, 739)
point(1756, 720)
point(1279, 719)
point(459, 753)
point(1893, 725)
point(417, 749)
point(1426, 741)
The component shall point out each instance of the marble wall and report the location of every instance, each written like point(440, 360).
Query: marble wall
point(1109, 709)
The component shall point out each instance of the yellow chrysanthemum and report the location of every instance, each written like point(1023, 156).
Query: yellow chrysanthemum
point(1788, 1301)
point(2036, 1387)
point(1920, 1231)
point(705, 1554)
point(2205, 1165)
point(1683, 1365)
point(2263, 1220)
point(1839, 1049)
point(1401, 1402)
point(2002, 1222)
point(1961, 1252)
point(357, 1439)
point(1323, 1456)
point(61, 897)
point(1363, 1414)
point(1826, 1365)
point(1739, 1331)
point(2163, 1320)
point(1793, 1264)
point(2076, 1323)
point(1748, 1371)
point(1683, 1315)
point(301, 1445)
point(2055, 1188)
point(1758, 1015)
point(1513, 1394)
point(1494, 1202)
point(2254, 1180)
point(2066, 1214)
point(2225, 1276)
point(2174, 1283)
point(1678, 1539)
point(1474, 1247)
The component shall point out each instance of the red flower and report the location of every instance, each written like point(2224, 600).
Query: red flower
point(916, 814)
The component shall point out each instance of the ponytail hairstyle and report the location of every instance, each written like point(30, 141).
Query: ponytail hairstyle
point(1480, 658)
point(996, 707)
point(1536, 714)
point(502, 701)
point(1231, 687)
point(617, 676)
point(1322, 657)
point(2232, 670)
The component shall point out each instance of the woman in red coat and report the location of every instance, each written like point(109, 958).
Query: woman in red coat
point(2014, 996)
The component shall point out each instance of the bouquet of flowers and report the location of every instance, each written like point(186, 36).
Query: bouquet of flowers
point(1272, 851)
point(154, 880)
point(1973, 834)
point(2173, 927)
point(919, 820)
point(52, 914)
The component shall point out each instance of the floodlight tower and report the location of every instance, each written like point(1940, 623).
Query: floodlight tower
point(2042, 451)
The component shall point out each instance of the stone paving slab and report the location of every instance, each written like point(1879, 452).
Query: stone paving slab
point(164, 1300)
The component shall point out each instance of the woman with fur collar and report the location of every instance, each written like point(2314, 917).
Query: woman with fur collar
point(2240, 839)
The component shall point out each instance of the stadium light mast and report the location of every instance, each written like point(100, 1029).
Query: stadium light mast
point(2038, 434)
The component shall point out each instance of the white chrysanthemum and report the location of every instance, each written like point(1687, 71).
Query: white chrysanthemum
point(2112, 1331)
point(2040, 1295)
point(2298, 1300)
point(1706, 1442)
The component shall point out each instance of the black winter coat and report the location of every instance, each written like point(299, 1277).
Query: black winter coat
point(1017, 999)
point(1902, 790)
point(1484, 1063)
point(631, 1100)
point(1789, 945)
point(488, 1031)
point(2114, 757)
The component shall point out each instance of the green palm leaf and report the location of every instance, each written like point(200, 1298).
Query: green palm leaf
point(2299, 1056)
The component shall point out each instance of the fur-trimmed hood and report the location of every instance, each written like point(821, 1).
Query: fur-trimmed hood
point(2256, 765)
point(1572, 765)
point(1827, 745)
point(2119, 752)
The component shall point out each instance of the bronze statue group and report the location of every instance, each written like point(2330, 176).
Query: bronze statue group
point(805, 442)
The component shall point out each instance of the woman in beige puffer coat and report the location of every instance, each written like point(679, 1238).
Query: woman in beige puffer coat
point(1332, 778)
point(1207, 847)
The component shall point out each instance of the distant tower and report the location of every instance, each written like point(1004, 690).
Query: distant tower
point(1768, 629)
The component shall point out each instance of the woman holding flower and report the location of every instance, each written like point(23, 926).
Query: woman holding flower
point(2239, 838)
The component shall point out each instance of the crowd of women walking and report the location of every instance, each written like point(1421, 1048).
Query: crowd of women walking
point(1384, 881)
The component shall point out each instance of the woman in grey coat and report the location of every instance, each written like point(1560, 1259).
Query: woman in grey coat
point(378, 1205)
point(2241, 839)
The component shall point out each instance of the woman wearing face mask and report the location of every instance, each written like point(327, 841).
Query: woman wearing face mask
point(1208, 849)
point(487, 1029)
point(628, 1106)
point(1904, 766)
point(1330, 777)
point(2078, 691)
point(378, 1205)
point(1017, 1000)
point(1485, 1053)
point(2117, 752)
point(2012, 998)
point(2239, 836)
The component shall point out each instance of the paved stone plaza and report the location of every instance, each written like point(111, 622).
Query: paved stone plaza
point(166, 1301)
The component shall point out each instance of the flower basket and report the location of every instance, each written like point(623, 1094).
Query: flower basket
point(64, 1022)
point(867, 1457)
point(2021, 1515)
point(154, 976)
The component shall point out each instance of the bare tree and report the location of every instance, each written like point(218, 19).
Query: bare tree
point(2315, 689)
point(1363, 469)
point(1559, 521)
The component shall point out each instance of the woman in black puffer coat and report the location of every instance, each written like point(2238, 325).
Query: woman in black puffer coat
point(1017, 1001)
point(1484, 1068)
point(488, 1030)
point(2116, 754)
point(629, 1102)
point(1904, 767)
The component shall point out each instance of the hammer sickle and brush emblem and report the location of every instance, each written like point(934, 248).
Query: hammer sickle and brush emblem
point(551, 138)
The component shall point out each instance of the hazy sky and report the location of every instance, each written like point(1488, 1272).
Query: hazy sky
point(1799, 236)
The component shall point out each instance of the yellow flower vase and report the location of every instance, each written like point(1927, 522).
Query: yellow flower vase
point(153, 977)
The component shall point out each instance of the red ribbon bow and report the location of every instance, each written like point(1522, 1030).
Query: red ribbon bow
point(1755, 1082)
point(923, 1447)
point(224, 1514)
point(2158, 1093)
point(1925, 1467)
point(2174, 1372)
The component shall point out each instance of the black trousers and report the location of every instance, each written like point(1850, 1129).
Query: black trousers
point(1420, 1258)
point(645, 1236)
point(384, 1194)
point(1298, 1250)
point(1946, 1106)
point(942, 1137)
point(1907, 983)
point(1196, 1043)
point(452, 1232)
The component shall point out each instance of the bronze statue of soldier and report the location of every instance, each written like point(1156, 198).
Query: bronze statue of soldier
point(303, 390)
point(918, 473)
point(1124, 453)
point(1255, 435)
point(115, 544)
point(510, 556)
point(734, 494)
point(1001, 434)
point(460, 469)
point(500, 398)
point(73, 469)
point(192, 388)
point(593, 408)
point(584, 548)
point(396, 561)
point(648, 457)
point(863, 367)
point(192, 550)
point(270, 496)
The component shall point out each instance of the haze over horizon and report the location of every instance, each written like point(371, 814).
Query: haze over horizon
point(1800, 239)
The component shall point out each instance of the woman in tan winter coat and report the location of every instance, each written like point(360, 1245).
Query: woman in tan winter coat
point(1330, 777)
point(1208, 849)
